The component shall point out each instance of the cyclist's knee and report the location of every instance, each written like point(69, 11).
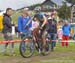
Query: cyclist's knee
point(44, 34)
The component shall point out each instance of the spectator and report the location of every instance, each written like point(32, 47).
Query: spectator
point(22, 22)
point(8, 29)
point(59, 31)
point(66, 32)
point(52, 30)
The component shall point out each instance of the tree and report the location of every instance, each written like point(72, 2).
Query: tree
point(71, 1)
point(64, 11)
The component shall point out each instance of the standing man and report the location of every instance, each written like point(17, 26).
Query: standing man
point(52, 30)
point(66, 32)
point(7, 29)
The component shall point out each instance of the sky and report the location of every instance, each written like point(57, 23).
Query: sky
point(16, 4)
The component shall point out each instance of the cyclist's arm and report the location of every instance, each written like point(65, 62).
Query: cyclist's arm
point(45, 21)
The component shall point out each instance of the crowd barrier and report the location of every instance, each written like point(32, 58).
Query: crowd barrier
point(17, 41)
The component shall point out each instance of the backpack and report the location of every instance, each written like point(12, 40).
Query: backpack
point(1, 22)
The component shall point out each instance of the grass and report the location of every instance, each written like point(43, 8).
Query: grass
point(60, 55)
point(56, 58)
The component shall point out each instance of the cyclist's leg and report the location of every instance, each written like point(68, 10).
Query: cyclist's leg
point(44, 33)
point(45, 45)
point(44, 39)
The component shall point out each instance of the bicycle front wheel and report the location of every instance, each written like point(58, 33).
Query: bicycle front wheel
point(26, 47)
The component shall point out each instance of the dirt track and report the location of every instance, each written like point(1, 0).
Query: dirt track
point(37, 58)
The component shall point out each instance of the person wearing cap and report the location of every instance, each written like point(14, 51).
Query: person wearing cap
point(7, 29)
point(52, 30)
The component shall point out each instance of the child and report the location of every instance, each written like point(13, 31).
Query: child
point(59, 31)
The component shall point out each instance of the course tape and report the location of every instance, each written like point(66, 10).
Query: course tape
point(17, 41)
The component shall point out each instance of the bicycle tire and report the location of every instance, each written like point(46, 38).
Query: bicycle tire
point(23, 43)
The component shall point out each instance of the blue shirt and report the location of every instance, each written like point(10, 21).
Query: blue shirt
point(66, 30)
point(22, 23)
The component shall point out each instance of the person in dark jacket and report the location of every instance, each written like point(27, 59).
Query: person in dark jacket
point(7, 28)
point(52, 30)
